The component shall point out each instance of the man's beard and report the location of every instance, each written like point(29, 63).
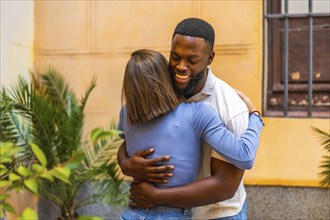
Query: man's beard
point(186, 92)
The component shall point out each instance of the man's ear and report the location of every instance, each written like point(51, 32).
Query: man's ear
point(211, 57)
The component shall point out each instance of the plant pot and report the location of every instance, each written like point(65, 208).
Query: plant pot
point(47, 210)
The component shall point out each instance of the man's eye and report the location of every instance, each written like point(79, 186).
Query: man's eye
point(193, 61)
point(175, 58)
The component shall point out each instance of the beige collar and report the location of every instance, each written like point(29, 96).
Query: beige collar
point(207, 89)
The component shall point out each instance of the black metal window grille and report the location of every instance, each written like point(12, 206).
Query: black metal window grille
point(296, 61)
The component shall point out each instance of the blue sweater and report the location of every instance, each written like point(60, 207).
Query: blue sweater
point(180, 133)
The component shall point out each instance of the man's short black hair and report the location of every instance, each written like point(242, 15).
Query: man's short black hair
point(195, 27)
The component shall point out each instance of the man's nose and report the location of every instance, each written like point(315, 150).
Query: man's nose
point(181, 66)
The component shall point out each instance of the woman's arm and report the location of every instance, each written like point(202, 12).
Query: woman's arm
point(239, 151)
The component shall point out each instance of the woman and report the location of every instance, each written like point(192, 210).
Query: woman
point(155, 117)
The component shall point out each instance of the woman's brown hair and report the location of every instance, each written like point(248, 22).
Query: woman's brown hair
point(147, 87)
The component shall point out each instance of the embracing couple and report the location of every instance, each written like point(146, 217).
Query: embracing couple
point(188, 135)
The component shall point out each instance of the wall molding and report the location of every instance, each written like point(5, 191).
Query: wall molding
point(225, 49)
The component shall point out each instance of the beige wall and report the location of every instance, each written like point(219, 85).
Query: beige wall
point(96, 38)
point(86, 38)
point(17, 37)
point(17, 58)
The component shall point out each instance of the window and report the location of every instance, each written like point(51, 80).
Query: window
point(297, 58)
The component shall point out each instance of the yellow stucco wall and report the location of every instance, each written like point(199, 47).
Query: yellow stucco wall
point(289, 153)
point(103, 34)
point(86, 38)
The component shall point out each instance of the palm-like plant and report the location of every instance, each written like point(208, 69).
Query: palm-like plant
point(325, 164)
point(47, 112)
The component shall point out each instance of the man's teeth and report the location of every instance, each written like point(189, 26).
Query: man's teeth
point(181, 76)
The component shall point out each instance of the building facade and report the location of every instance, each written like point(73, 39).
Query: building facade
point(82, 39)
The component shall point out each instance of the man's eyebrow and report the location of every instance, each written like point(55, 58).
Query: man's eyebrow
point(194, 56)
point(189, 56)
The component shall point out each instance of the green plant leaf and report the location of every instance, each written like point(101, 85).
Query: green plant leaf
point(8, 207)
point(13, 177)
point(98, 134)
point(5, 159)
point(19, 187)
point(95, 133)
point(5, 147)
point(29, 214)
point(8, 149)
point(59, 174)
point(39, 154)
point(4, 183)
point(64, 171)
point(90, 88)
point(38, 168)
point(24, 171)
point(86, 217)
point(3, 172)
point(102, 135)
point(3, 197)
point(115, 131)
point(32, 185)
point(47, 176)
point(76, 159)
point(324, 138)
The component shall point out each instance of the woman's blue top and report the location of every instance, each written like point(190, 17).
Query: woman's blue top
point(180, 133)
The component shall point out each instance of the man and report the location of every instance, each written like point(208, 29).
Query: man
point(191, 54)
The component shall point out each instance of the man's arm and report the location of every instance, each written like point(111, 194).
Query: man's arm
point(221, 186)
point(142, 169)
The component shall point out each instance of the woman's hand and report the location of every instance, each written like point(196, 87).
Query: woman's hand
point(247, 101)
point(142, 169)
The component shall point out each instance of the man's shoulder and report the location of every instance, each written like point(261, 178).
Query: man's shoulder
point(224, 90)
point(198, 107)
point(225, 100)
point(219, 83)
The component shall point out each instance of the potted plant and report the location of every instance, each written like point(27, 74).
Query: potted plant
point(47, 112)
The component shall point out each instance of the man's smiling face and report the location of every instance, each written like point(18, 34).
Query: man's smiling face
point(189, 57)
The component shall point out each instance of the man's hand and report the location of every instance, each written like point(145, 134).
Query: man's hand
point(142, 169)
point(143, 195)
point(221, 186)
